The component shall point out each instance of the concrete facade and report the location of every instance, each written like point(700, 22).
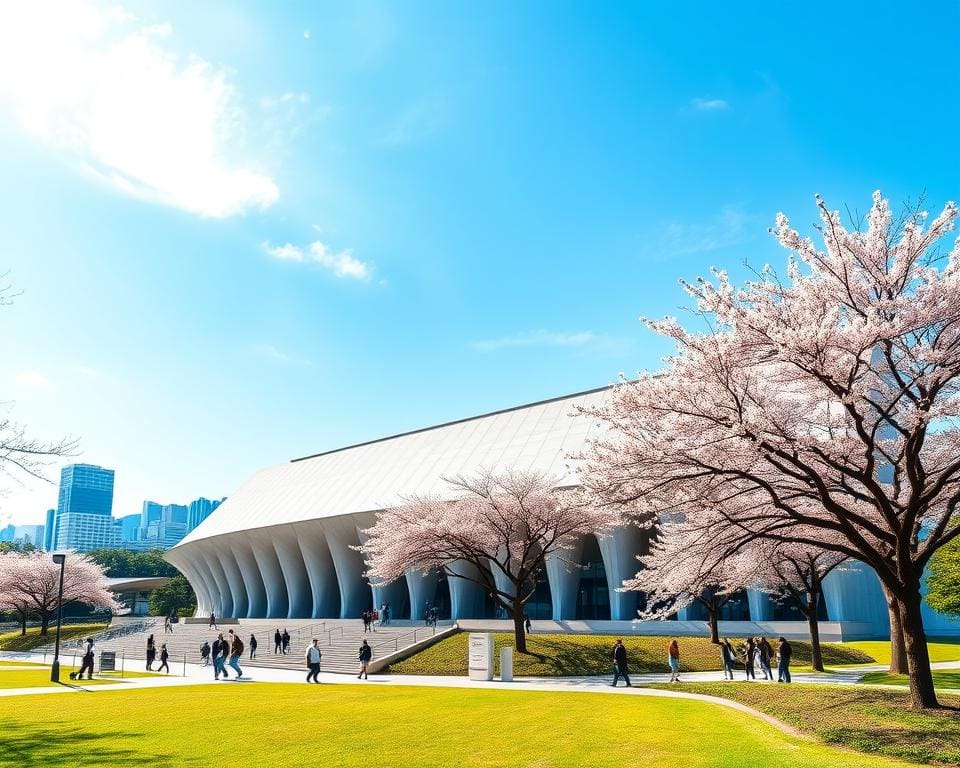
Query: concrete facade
point(285, 545)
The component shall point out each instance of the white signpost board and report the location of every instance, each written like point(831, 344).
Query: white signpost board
point(480, 656)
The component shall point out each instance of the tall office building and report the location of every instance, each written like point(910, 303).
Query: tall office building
point(129, 528)
point(200, 510)
point(151, 514)
point(7, 532)
point(29, 534)
point(48, 530)
point(83, 520)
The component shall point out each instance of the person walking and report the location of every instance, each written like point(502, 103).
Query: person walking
point(748, 652)
point(163, 659)
point(673, 659)
point(728, 656)
point(285, 642)
point(364, 655)
point(236, 653)
point(166, 625)
point(151, 653)
point(253, 646)
point(205, 654)
point(784, 652)
point(385, 614)
point(87, 663)
point(765, 654)
point(527, 624)
point(213, 621)
point(313, 661)
point(619, 657)
point(221, 649)
point(366, 621)
point(277, 641)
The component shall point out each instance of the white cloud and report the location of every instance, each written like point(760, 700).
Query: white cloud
point(710, 105)
point(127, 108)
point(341, 263)
point(33, 381)
point(306, 34)
point(731, 226)
point(536, 339)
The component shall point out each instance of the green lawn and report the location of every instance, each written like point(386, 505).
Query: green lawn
point(39, 675)
point(941, 649)
point(395, 727)
point(559, 655)
point(941, 679)
point(865, 719)
point(14, 641)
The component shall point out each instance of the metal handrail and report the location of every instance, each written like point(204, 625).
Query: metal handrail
point(396, 640)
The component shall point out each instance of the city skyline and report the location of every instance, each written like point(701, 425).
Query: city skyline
point(341, 223)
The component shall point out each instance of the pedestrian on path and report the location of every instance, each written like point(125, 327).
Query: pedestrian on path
point(236, 653)
point(213, 620)
point(166, 626)
point(784, 652)
point(87, 663)
point(151, 653)
point(221, 649)
point(765, 654)
point(748, 653)
point(727, 655)
point(673, 659)
point(527, 624)
point(253, 646)
point(365, 654)
point(163, 659)
point(277, 641)
point(285, 641)
point(205, 654)
point(619, 657)
point(366, 620)
point(313, 661)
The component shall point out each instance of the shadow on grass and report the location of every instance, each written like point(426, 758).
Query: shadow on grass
point(54, 745)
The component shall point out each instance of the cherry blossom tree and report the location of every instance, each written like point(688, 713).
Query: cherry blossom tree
point(32, 580)
point(502, 527)
point(793, 573)
point(685, 566)
point(11, 602)
point(825, 402)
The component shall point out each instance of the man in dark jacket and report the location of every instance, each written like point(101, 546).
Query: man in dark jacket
point(277, 640)
point(236, 653)
point(784, 652)
point(285, 641)
point(619, 657)
point(221, 650)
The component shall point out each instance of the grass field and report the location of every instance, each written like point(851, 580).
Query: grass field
point(941, 649)
point(38, 675)
point(559, 655)
point(865, 719)
point(396, 727)
point(14, 641)
point(941, 679)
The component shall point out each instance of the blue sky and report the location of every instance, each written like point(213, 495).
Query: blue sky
point(247, 232)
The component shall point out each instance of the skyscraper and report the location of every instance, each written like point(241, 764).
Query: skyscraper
point(29, 534)
point(48, 530)
point(200, 510)
point(83, 520)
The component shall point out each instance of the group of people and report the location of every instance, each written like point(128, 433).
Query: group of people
point(371, 618)
point(281, 642)
point(152, 656)
point(313, 656)
point(430, 615)
point(757, 650)
point(754, 650)
point(226, 651)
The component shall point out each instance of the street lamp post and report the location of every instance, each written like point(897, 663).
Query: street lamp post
point(60, 560)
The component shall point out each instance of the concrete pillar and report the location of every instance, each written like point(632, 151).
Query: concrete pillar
point(319, 564)
point(290, 557)
point(563, 573)
point(189, 567)
point(852, 592)
point(202, 556)
point(466, 597)
point(268, 566)
point(234, 587)
point(421, 588)
point(250, 575)
point(354, 590)
point(761, 606)
point(395, 592)
point(619, 550)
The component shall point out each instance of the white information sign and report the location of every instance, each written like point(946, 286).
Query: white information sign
point(480, 656)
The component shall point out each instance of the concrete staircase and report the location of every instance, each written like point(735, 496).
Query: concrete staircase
point(339, 642)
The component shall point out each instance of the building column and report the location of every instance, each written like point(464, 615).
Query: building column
point(319, 564)
point(294, 570)
point(354, 589)
point(761, 609)
point(268, 566)
point(250, 575)
point(563, 573)
point(235, 593)
point(421, 588)
point(619, 550)
point(466, 597)
point(853, 593)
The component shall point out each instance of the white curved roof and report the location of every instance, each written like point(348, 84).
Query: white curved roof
point(377, 475)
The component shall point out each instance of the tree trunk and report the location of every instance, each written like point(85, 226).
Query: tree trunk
point(922, 693)
point(519, 633)
point(23, 624)
point(714, 614)
point(898, 649)
point(44, 624)
point(816, 658)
